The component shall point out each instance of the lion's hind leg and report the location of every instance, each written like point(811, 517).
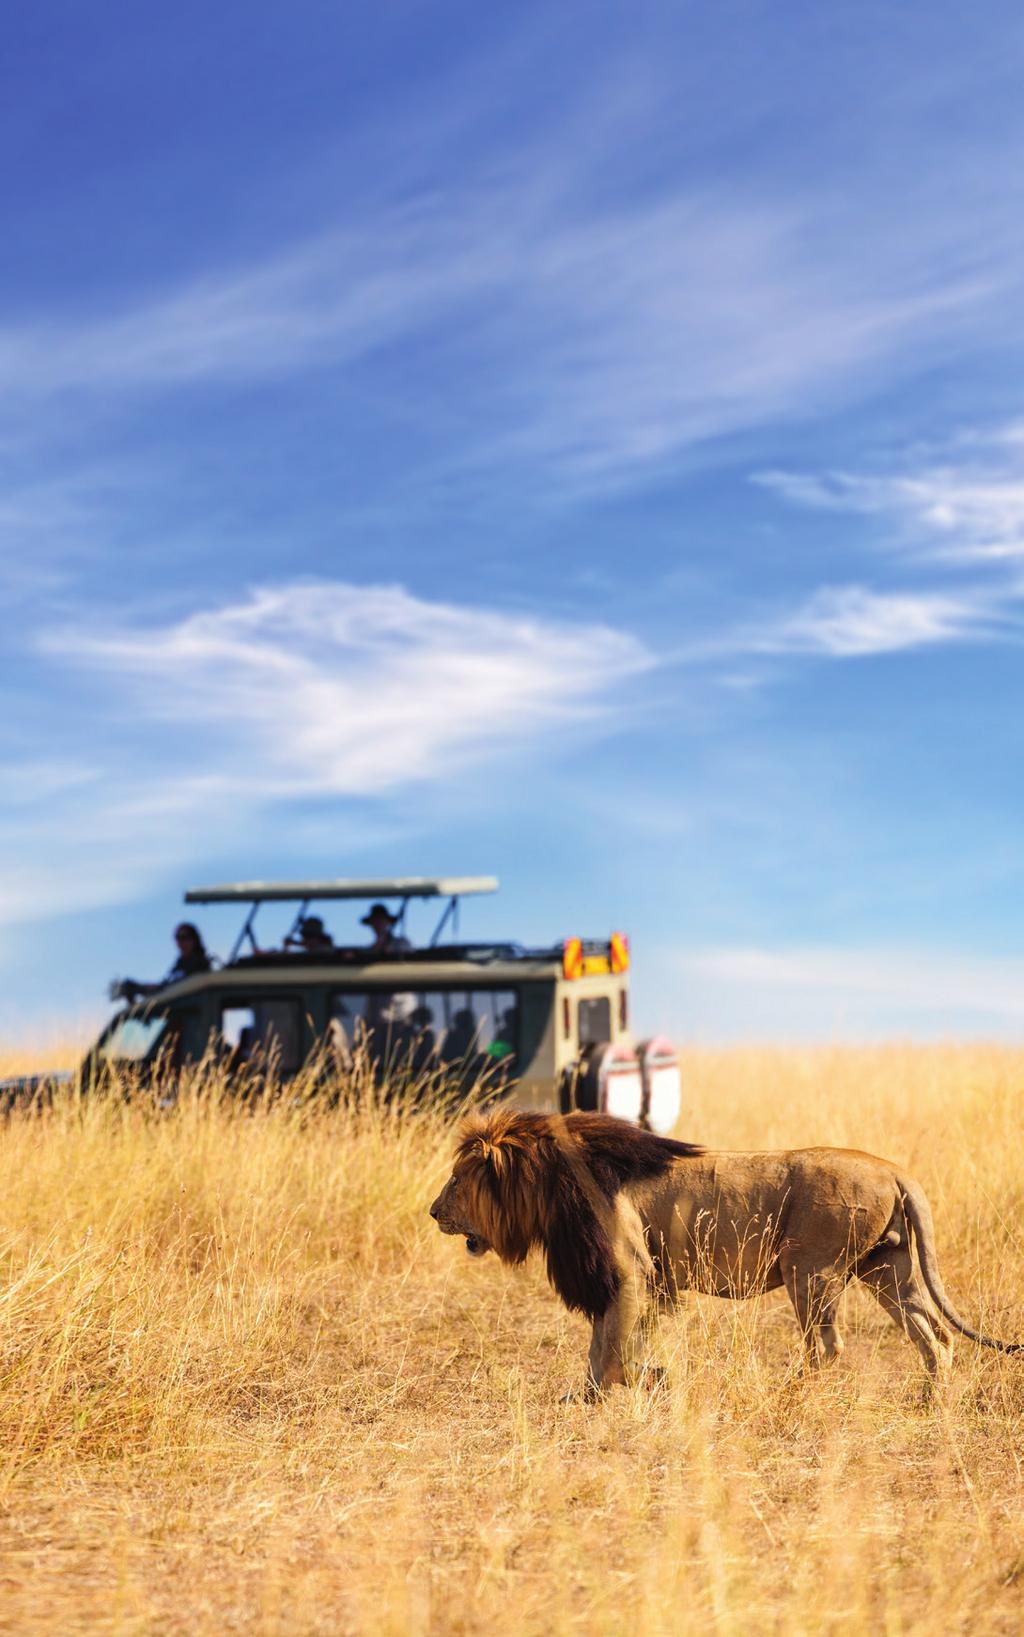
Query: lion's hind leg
point(893, 1282)
point(815, 1293)
point(828, 1330)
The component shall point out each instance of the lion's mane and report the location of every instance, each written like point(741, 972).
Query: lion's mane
point(549, 1181)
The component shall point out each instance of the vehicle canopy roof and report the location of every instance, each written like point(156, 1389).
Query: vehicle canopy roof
point(303, 893)
point(402, 886)
point(575, 958)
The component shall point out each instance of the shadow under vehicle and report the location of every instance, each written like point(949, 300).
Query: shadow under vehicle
point(546, 1027)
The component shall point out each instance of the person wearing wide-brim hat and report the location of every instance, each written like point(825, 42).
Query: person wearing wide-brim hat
point(313, 937)
point(385, 940)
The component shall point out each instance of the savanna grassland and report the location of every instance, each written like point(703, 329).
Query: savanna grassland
point(246, 1386)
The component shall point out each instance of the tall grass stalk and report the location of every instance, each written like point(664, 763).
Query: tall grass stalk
point(245, 1385)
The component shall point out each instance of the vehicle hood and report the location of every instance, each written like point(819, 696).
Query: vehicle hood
point(25, 1085)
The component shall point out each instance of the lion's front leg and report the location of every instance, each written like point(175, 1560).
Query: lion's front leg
point(595, 1361)
point(606, 1363)
point(605, 1367)
point(618, 1342)
point(591, 1388)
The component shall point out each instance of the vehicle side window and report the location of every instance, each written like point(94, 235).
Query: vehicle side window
point(265, 1028)
point(353, 1015)
point(482, 1022)
point(594, 1020)
point(441, 1026)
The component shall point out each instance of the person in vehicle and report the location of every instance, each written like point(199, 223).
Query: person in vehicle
point(498, 1064)
point(312, 939)
point(192, 958)
point(463, 1036)
point(383, 923)
point(387, 1033)
point(424, 1042)
point(345, 1027)
point(503, 1046)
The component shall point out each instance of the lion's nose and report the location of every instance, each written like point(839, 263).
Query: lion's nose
point(433, 1210)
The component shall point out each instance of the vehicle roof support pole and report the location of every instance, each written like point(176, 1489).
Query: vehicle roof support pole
point(291, 936)
point(246, 932)
point(451, 911)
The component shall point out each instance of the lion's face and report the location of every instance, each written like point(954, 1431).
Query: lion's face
point(454, 1212)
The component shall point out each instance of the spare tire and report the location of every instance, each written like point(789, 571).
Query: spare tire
point(578, 1087)
point(662, 1085)
point(605, 1078)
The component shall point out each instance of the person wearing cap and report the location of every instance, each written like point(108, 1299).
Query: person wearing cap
point(385, 941)
point(313, 937)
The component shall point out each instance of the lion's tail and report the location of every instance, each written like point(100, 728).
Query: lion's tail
point(919, 1214)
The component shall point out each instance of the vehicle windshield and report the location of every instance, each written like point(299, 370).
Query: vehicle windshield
point(133, 1038)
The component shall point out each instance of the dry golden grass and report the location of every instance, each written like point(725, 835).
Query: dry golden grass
point(56, 1049)
point(245, 1385)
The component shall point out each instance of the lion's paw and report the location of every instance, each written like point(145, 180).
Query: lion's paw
point(589, 1393)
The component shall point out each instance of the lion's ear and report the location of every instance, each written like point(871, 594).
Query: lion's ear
point(497, 1160)
point(580, 1260)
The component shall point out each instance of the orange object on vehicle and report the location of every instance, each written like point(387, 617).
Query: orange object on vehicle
point(572, 958)
point(618, 949)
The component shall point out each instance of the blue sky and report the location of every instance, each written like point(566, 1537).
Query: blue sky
point(578, 444)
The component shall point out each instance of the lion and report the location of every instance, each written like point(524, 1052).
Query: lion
point(623, 1216)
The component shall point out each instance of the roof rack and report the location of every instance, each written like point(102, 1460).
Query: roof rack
point(255, 893)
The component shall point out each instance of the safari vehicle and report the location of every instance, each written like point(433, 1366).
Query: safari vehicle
point(546, 1027)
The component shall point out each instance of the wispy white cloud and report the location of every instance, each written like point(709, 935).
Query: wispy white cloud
point(834, 993)
point(29, 782)
point(335, 297)
point(937, 513)
point(853, 621)
point(329, 688)
point(965, 504)
point(598, 342)
point(304, 691)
